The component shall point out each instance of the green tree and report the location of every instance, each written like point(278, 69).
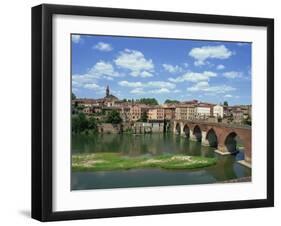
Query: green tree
point(148, 101)
point(79, 123)
point(113, 117)
point(73, 97)
point(168, 101)
point(225, 103)
point(92, 124)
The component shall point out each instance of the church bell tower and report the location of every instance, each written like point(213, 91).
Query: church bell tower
point(107, 91)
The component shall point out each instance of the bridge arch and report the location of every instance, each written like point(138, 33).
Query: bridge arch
point(186, 131)
point(231, 142)
point(212, 138)
point(197, 133)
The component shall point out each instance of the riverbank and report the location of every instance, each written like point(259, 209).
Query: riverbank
point(115, 161)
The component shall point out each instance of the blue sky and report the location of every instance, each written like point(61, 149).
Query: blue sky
point(209, 71)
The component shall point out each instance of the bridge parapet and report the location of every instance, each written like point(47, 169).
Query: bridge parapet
point(218, 124)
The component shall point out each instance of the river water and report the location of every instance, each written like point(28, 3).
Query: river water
point(153, 144)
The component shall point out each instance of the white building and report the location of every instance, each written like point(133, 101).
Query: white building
point(218, 111)
point(203, 111)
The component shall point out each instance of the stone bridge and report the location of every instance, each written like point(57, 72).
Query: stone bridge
point(217, 135)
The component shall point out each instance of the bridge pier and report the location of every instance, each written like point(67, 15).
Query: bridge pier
point(204, 140)
point(192, 136)
point(182, 131)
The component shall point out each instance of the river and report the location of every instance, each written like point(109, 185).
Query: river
point(226, 168)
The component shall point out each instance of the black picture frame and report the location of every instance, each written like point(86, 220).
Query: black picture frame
point(42, 111)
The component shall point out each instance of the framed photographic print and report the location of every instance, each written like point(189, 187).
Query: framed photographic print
point(145, 112)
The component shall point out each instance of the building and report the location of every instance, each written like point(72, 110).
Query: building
point(125, 113)
point(203, 111)
point(156, 114)
point(180, 113)
point(135, 112)
point(169, 112)
point(85, 102)
point(218, 111)
point(185, 112)
point(87, 110)
point(109, 99)
point(238, 116)
point(191, 112)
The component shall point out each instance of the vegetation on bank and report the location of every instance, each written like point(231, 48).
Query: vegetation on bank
point(82, 124)
point(89, 124)
point(116, 161)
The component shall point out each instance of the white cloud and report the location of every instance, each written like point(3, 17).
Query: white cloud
point(204, 86)
point(151, 84)
point(135, 61)
point(76, 38)
point(152, 87)
point(130, 84)
point(233, 74)
point(199, 63)
point(172, 69)
point(145, 74)
point(104, 47)
point(194, 77)
point(220, 67)
point(200, 54)
point(153, 91)
point(81, 80)
point(199, 86)
point(228, 96)
point(160, 84)
point(137, 91)
point(103, 70)
point(94, 87)
point(159, 91)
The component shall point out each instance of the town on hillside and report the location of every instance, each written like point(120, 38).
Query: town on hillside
point(111, 110)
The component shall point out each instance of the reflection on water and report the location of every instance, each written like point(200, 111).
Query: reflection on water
point(153, 144)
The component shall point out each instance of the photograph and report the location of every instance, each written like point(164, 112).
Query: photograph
point(148, 111)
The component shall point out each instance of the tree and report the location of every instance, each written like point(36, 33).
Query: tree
point(148, 101)
point(79, 123)
point(168, 101)
point(92, 124)
point(225, 103)
point(73, 97)
point(113, 117)
point(144, 117)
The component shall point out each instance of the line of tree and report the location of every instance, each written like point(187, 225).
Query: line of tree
point(168, 101)
point(148, 101)
point(73, 97)
point(81, 123)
